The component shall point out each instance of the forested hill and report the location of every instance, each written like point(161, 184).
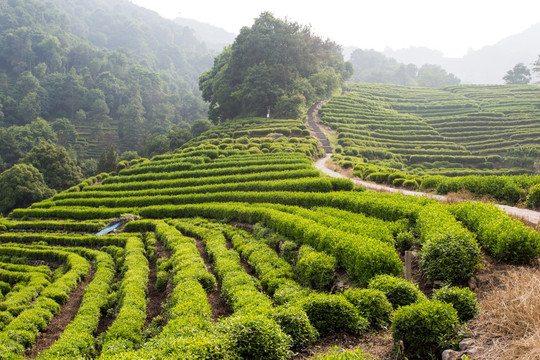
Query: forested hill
point(111, 72)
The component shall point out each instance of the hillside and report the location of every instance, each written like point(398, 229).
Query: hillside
point(114, 73)
point(213, 37)
point(390, 132)
point(233, 247)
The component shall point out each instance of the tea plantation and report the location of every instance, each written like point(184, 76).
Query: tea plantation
point(234, 247)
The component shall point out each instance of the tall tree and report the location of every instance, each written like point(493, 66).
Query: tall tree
point(520, 74)
point(268, 61)
point(59, 170)
point(20, 186)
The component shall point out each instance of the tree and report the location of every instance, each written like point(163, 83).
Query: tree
point(154, 144)
point(29, 108)
point(20, 186)
point(178, 137)
point(434, 76)
point(199, 126)
point(520, 74)
point(65, 132)
point(108, 160)
point(266, 62)
point(59, 170)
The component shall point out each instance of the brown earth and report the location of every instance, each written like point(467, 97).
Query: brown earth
point(61, 320)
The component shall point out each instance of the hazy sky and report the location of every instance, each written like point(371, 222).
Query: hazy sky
point(452, 26)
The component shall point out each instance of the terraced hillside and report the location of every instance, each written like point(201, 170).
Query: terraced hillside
point(235, 247)
point(454, 131)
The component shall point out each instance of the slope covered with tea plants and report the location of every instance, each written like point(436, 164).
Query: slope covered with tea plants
point(479, 134)
point(251, 248)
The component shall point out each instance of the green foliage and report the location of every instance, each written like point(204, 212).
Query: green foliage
point(505, 238)
point(290, 67)
point(426, 328)
point(450, 258)
point(533, 199)
point(371, 304)
point(108, 160)
point(520, 74)
point(337, 354)
point(255, 336)
point(315, 269)
point(20, 186)
point(331, 314)
point(462, 299)
point(59, 170)
point(398, 291)
point(295, 323)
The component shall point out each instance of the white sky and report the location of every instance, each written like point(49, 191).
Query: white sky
point(451, 26)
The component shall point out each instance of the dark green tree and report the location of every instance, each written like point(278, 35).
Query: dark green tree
point(178, 137)
point(59, 170)
point(199, 126)
point(108, 160)
point(154, 144)
point(520, 74)
point(20, 186)
point(267, 61)
point(66, 132)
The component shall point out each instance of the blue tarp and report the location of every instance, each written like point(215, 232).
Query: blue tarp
point(109, 229)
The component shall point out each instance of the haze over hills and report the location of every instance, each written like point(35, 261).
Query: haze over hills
point(486, 65)
point(483, 66)
point(213, 37)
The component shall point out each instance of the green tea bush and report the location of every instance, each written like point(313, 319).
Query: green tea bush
point(462, 299)
point(425, 328)
point(410, 183)
point(315, 269)
point(398, 291)
point(295, 323)
point(533, 198)
point(289, 251)
point(332, 314)
point(505, 238)
point(256, 337)
point(450, 258)
point(371, 304)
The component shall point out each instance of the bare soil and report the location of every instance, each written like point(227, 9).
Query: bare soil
point(220, 309)
point(156, 298)
point(61, 320)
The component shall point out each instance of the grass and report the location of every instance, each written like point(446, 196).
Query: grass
point(508, 326)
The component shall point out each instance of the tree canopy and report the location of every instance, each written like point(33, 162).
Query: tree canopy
point(20, 186)
point(268, 64)
point(520, 74)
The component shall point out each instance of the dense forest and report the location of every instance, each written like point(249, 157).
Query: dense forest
point(83, 75)
point(274, 64)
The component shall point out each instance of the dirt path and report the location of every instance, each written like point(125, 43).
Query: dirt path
point(61, 320)
point(530, 216)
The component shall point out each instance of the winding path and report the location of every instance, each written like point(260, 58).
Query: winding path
point(530, 216)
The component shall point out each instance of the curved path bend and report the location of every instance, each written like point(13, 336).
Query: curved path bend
point(530, 216)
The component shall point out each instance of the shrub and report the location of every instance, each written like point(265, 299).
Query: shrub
point(315, 269)
point(533, 199)
point(426, 328)
point(411, 184)
point(332, 314)
point(450, 258)
point(371, 304)
point(256, 337)
point(295, 323)
point(463, 300)
point(398, 182)
point(288, 251)
point(398, 291)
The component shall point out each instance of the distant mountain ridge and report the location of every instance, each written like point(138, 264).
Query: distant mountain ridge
point(483, 66)
point(215, 38)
